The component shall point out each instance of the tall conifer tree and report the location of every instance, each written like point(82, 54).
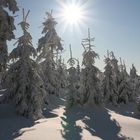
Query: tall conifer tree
point(48, 47)
point(108, 83)
point(24, 85)
point(89, 82)
point(72, 79)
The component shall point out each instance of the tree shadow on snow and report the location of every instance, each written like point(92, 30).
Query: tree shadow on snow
point(10, 123)
point(129, 110)
point(99, 123)
point(47, 113)
point(54, 102)
point(71, 131)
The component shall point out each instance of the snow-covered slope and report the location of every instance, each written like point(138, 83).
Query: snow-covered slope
point(98, 123)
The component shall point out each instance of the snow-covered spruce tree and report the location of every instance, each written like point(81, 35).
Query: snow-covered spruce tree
point(116, 78)
point(6, 29)
point(138, 103)
point(61, 72)
point(138, 94)
point(89, 82)
point(78, 71)
point(48, 46)
point(138, 87)
point(108, 83)
point(134, 82)
point(124, 86)
point(24, 85)
point(135, 86)
point(133, 72)
point(73, 82)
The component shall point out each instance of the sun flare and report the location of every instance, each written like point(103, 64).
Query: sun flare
point(72, 14)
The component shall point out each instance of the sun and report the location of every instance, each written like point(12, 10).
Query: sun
point(72, 14)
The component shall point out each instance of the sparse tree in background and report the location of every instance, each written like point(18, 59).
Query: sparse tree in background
point(24, 85)
point(133, 72)
point(124, 86)
point(137, 88)
point(108, 83)
point(61, 77)
point(72, 79)
point(116, 77)
point(138, 103)
point(6, 29)
point(48, 46)
point(134, 82)
point(137, 98)
point(78, 71)
point(89, 83)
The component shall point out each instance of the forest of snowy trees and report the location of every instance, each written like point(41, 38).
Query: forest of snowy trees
point(29, 77)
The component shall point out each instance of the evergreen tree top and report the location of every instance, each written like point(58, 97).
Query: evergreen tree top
point(108, 67)
point(123, 69)
point(89, 55)
point(49, 23)
point(51, 42)
point(24, 48)
point(113, 58)
point(133, 72)
point(114, 62)
point(72, 61)
point(107, 58)
point(87, 42)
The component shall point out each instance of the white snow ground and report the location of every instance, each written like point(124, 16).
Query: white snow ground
point(96, 123)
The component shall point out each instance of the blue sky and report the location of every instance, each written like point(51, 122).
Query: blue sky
point(115, 24)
